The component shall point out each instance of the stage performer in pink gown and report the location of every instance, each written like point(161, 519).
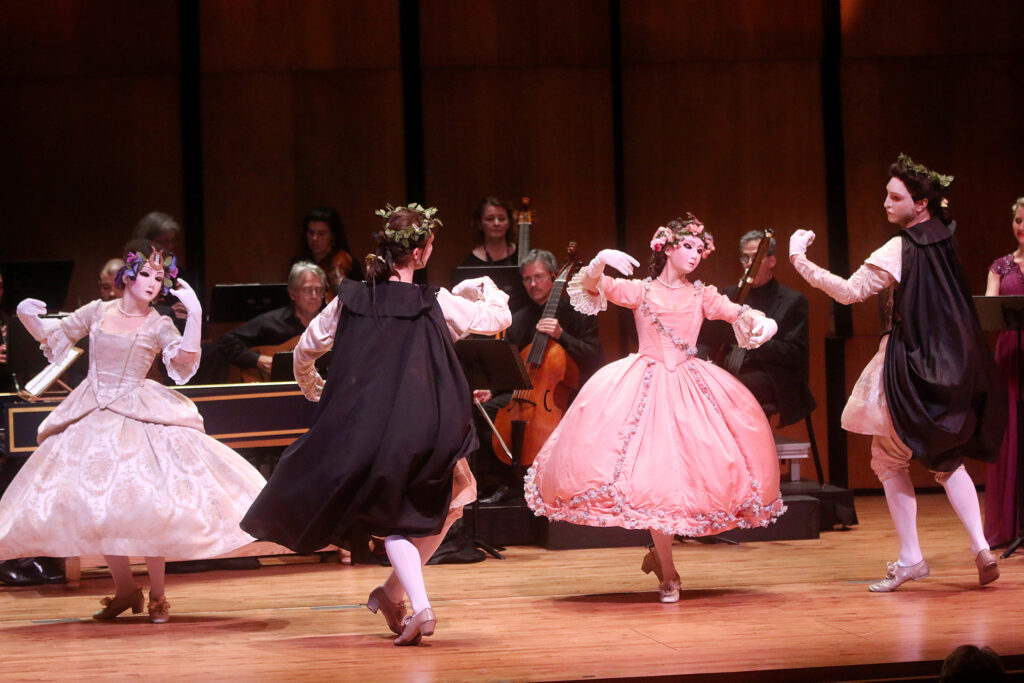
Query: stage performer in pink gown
point(932, 390)
point(1005, 278)
point(124, 467)
point(661, 440)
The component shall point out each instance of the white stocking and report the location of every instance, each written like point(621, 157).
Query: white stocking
point(964, 499)
point(899, 494)
point(156, 566)
point(427, 546)
point(405, 560)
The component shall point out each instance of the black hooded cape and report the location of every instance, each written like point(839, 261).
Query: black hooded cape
point(941, 382)
point(393, 421)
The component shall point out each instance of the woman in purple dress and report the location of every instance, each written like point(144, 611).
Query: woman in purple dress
point(1005, 279)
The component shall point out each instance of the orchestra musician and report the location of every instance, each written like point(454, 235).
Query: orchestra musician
point(776, 373)
point(108, 273)
point(281, 327)
point(575, 332)
point(493, 220)
point(324, 244)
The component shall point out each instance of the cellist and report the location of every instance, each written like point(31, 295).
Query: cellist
point(575, 332)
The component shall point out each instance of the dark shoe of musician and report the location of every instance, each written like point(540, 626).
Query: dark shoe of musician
point(420, 624)
point(897, 575)
point(114, 605)
point(988, 570)
point(499, 495)
point(10, 574)
point(394, 612)
point(652, 563)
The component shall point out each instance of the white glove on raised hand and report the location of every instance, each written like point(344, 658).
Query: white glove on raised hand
point(619, 260)
point(762, 330)
point(799, 241)
point(187, 296)
point(471, 289)
point(191, 338)
point(29, 311)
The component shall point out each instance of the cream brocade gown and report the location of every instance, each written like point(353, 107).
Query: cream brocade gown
point(660, 439)
point(123, 465)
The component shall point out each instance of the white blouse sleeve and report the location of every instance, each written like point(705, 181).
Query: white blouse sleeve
point(879, 271)
point(317, 340)
point(475, 306)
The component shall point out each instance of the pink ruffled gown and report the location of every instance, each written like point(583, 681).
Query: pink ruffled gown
point(660, 439)
point(123, 465)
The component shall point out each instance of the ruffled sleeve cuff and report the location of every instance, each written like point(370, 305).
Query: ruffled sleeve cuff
point(315, 342)
point(743, 325)
point(584, 301)
point(179, 372)
point(55, 344)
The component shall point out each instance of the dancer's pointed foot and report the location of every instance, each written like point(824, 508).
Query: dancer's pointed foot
point(394, 612)
point(897, 575)
point(668, 591)
point(988, 569)
point(420, 624)
point(159, 610)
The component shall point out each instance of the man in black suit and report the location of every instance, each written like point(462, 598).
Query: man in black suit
point(776, 372)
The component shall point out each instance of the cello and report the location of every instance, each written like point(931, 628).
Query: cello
point(532, 414)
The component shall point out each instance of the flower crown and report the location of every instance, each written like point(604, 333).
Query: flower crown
point(413, 233)
point(920, 169)
point(135, 260)
point(668, 235)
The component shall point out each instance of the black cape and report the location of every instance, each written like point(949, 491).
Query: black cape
point(393, 420)
point(945, 396)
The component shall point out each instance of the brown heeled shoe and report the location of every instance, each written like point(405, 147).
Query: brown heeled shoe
point(652, 563)
point(394, 612)
point(113, 606)
point(988, 570)
point(420, 624)
point(159, 610)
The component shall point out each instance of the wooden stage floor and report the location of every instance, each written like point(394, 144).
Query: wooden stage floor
point(759, 611)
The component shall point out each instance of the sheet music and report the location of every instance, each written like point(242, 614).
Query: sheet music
point(41, 382)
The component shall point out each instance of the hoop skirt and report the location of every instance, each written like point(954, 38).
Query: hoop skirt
point(123, 465)
point(660, 439)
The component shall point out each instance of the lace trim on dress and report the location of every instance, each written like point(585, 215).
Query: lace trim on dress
point(663, 329)
point(56, 345)
point(583, 301)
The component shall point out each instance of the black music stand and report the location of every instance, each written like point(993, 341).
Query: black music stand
point(997, 314)
point(493, 364)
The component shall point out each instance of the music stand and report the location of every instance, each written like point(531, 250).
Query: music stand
point(998, 314)
point(241, 302)
point(492, 364)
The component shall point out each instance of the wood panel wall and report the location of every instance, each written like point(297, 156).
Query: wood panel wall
point(302, 104)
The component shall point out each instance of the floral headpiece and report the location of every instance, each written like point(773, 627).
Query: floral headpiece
point(135, 260)
point(669, 235)
point(413, 233)
point(920, 169)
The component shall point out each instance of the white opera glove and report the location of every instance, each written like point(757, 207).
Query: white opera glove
point(762, 330)
point(619, 260)
point(472, 289)
point(29, 311)
point(799, 241)
point(192, 336)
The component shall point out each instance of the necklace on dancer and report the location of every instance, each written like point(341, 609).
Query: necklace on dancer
point(131, 315)
point(668, 286)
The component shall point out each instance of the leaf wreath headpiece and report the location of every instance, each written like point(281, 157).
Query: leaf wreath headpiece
point(413, 233)
point(668, 235)
point(135, 260)
point(920, 169)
